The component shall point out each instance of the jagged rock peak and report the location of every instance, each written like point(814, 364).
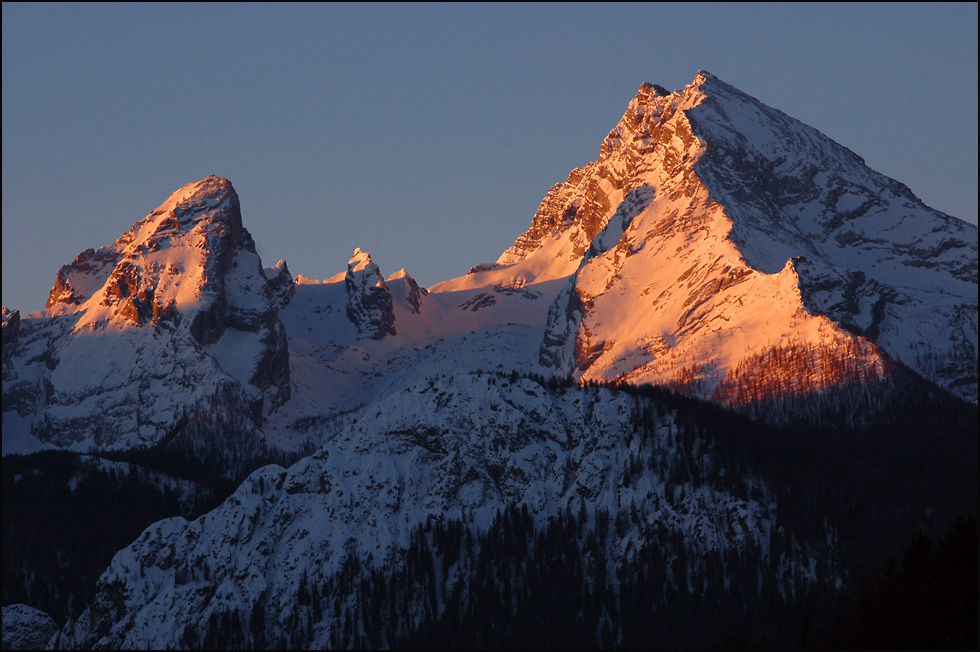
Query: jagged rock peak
point(369, 303)
point(651, 142)
point(281, 287)
point(411, 291)
point(711, 174)
point(191, 238)
point(360, 260)
point(361, 263)
point(648, 90)
point(212, 200)
point(161, 298)
point(200, 195)
point(703, 76)
point(281, 265)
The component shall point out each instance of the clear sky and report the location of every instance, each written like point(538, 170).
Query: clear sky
point(428, 135)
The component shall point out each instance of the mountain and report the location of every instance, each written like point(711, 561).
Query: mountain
point(717, 246)
point(602, 412)
point(493, 498)
point(724, 248)
point(170, 335)
point(448, 449)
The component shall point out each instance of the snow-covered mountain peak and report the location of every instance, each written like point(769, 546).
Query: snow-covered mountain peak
point(652, 146)
point(197, 200)
point(173, 260)
point(706, 185)
point(406, 289)
point(654, 90)
point(402, 273)
point(714, 134)
point(701, 77)
point(280, 268)
point(143, 333)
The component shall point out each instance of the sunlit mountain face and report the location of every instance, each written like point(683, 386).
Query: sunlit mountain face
point(668, 399)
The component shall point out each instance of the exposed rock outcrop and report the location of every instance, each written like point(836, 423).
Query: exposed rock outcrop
point(369, 304)
point(26, 628)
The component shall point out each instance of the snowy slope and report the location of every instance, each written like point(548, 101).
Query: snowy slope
point(456, 448)
point(357, 337)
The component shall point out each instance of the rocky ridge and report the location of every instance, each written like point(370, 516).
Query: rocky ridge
point(715, 243)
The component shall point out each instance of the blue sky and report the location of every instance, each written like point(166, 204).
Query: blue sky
point(428, 135)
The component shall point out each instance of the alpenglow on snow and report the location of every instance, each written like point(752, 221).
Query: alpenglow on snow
point(717, 248)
